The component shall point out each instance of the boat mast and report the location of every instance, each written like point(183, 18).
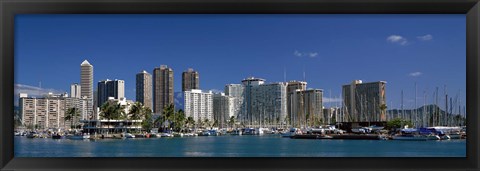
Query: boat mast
point(401, 107)
point(416, 111)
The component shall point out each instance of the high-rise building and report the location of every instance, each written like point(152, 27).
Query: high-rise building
point(162, 88)
point(292, 87)
point(198, 105)
point(110, 88)
point(43, 113)
point(75, 90)
point(364, 102)
point(306, 108)
point(86, 79)
point(86, 86)
point(190, 80)
point(237, 92)
point(223, 109)
point(264, 104)
point(144, 89)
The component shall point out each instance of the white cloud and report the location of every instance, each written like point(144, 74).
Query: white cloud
point(415, 74)
point(308, 54)
point(216, 90)
point(425, 37)
point(397, 39)
point(34, 91)
point(331, 100)
point(297, 53)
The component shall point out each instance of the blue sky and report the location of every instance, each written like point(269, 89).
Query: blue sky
point(332, 50)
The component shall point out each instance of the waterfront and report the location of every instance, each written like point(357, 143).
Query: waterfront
point(235, 146)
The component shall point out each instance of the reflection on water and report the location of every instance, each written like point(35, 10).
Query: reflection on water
point(236, 146)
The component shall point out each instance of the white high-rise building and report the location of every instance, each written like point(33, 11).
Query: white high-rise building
point(237, 92)
point(75, 90)
point(199, 105)
point(223, 109)
point(264, 104)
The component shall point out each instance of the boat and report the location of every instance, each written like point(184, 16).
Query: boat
point(57, 136)
point(127, 135)
point(236, 132)
point(190, 134)
point(178, 134)
point(410, 134)
point(166, 134)
point(32, 135)
point(78, 136)
point(204, 133)
point(290, 133)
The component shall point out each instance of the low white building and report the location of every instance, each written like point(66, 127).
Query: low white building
point(198, 104)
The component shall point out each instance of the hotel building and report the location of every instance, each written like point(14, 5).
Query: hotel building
point(144, 89)
point(363, 101)
point(190, 80)
point(198, 105)
point(162, 88)
point(306, 108)
point(110, 88)
point(223, 109)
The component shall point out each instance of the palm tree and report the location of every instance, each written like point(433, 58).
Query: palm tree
point(111, 111)
point(179, 119)
point(231, 121)
point(190, 122)
point(168, 115)
point(136, 111)
point(147, 118)
point(71, 115)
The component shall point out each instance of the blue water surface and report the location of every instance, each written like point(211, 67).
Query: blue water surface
point(235, 146)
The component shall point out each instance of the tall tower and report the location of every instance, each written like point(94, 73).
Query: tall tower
point(86, 79)
point(144, 89)
point(110, 88)
point(292, 99)
point(190, 80)
point(162, 88)
point(86, 89)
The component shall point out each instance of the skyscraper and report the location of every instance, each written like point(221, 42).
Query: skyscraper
point(364, 101)
point(190, 80)
point(86, 79)
point(199, 105)
point(110, 88)
point(306, 108)
point(75, 90)
point(86, 89)
point(292, 87)
point(162, 88)
point(237, 92)
point(144, 89)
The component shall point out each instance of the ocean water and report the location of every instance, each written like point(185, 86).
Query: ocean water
point(235, 146)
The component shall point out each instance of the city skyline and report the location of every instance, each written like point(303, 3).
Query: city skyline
point(427, 49)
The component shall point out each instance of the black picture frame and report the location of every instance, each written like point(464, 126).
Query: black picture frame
point(9, 8)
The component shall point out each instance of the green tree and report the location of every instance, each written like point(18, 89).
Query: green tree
point(231, 122)
point(167, 116)
point(111, 111)
point(136, 111)
point(147, 122)
point(71, 115)
point(179, 120)
point(190, 122)
point(397, 123)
